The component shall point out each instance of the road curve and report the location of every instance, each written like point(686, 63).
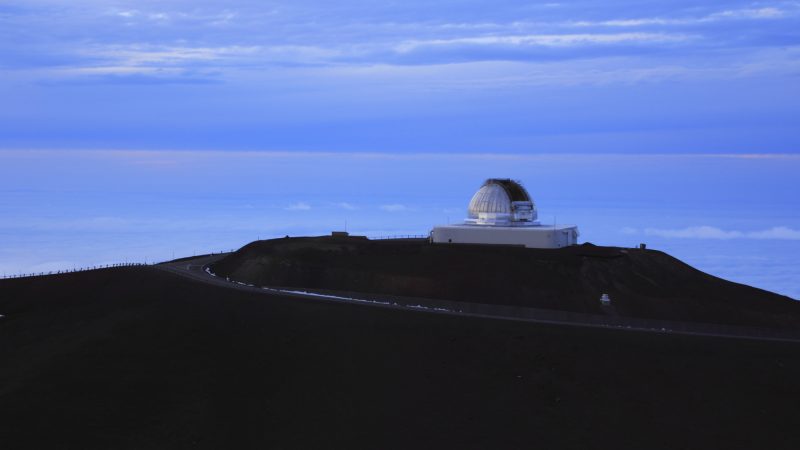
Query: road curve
point(197, 269)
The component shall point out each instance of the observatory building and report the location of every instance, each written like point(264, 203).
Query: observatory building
point(502, 212)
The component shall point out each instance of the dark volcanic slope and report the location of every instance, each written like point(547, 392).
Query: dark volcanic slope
point(648, 284)
point(138, 358)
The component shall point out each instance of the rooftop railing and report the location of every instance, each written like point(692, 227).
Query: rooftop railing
point(398, 236)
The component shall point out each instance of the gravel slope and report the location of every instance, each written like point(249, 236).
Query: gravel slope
point(649, 284)
point(140, 358)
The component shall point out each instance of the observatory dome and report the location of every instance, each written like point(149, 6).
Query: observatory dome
point(501, 201)
point(502, 213)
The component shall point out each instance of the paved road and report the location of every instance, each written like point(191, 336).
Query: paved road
point(196, 269)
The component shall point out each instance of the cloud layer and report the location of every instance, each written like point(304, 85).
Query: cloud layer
point(455, 75)
point(91, 38)
point(709, 232)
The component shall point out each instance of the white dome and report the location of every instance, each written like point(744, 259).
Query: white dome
point(490, 198)
point(501, 202)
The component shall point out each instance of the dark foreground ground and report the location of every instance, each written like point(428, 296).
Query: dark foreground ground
point(138, 358)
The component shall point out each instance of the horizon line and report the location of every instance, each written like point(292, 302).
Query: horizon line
point(397, 154)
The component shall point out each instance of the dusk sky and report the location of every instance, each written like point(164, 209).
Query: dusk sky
point(422, 76)
point(142, 130)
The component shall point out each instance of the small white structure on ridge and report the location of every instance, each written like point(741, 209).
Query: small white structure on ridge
point(503, 213)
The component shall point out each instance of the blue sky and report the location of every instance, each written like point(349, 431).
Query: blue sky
point(420, 76)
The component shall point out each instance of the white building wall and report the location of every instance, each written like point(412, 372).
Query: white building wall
point(533, 237)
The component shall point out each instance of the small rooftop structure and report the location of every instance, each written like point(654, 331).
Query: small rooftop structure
point(502, 212)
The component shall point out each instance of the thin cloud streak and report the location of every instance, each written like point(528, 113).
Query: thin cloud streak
point(346, 206)
point(299, 206)
point(394, 207)
point(709, 232)
point(547, 40)
point(735, 14)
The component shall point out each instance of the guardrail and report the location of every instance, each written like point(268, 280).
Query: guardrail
point(632, 323)
point(99, 266)
point(398, 236)
point(560, 316)
point(74, 270)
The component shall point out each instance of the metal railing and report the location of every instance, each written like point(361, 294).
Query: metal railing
point(613, 322)
point(398, 236)
point(73, 270)
point(101, 266)
point(560, 316)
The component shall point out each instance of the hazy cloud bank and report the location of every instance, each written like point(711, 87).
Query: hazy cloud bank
point(709, 232)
